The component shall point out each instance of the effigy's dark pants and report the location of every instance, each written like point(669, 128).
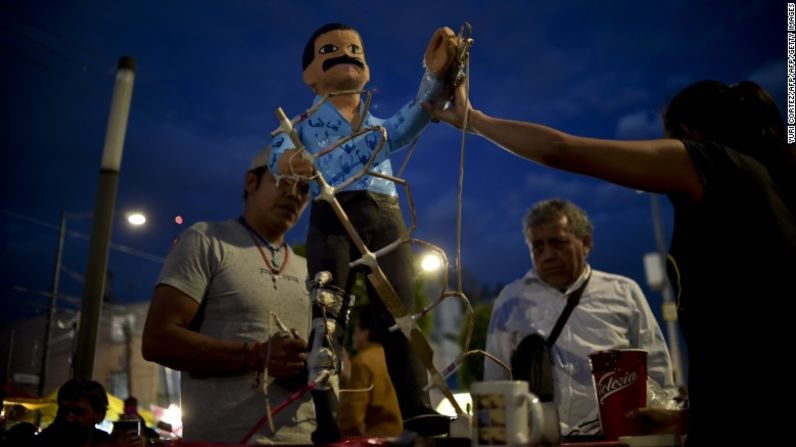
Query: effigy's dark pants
point(378, 220)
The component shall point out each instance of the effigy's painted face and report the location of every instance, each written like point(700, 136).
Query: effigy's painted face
point(339, 63)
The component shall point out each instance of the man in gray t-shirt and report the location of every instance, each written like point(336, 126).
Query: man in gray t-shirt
point(225, 291)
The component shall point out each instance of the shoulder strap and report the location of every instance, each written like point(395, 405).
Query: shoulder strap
point(572, 300)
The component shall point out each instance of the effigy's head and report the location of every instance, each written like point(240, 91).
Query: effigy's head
point(334, 60)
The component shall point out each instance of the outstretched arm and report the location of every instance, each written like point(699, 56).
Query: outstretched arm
point(653, 165)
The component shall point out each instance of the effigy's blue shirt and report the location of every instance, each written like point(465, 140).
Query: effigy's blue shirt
point(326, 126)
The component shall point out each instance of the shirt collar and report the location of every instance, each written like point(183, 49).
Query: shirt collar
point(319, 98)
point(532, 276)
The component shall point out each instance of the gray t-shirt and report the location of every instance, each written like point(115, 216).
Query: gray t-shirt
point(219, 263)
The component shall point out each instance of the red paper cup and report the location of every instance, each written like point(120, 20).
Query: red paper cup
point(620, 380)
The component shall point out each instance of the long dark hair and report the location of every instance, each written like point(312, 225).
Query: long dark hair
point(741, 116)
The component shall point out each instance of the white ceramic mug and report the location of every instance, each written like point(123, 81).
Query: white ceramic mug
point(502, 411)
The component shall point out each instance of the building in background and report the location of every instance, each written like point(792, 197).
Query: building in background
point(119, 365)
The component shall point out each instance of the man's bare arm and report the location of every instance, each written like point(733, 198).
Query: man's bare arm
point(168, 340)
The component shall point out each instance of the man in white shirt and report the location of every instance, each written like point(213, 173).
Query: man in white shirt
point(612, 314)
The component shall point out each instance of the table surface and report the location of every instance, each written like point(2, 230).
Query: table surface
point(381, 442)
point(459, 442)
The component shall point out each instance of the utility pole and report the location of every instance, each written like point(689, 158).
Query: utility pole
point(103, 215)
point(128, 353)
point(10, 354)
point(669, 307)
point(45, 352)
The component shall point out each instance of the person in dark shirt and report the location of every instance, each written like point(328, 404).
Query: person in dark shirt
point(82, 404)
point(731, 178)
point(20, 435)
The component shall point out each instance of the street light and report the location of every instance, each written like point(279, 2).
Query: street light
point(431, 262)
point(141, 219)
point(136, 218)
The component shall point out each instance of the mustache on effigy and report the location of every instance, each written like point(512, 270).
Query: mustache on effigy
point(329, 63)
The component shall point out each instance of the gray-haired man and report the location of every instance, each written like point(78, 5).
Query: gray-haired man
point(612, 314)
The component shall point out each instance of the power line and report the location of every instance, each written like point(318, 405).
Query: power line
point(48, 48)
point(37, 63)
point(96, 65)
point(78, 235)
point(153, 107)
point(86, 60)
point(92, 54)
point(71, 300)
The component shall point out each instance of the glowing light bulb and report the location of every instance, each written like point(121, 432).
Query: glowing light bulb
point(136, 219)
point(431, 262)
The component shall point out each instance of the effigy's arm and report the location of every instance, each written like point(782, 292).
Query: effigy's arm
point(444, 62)
point(411, 119)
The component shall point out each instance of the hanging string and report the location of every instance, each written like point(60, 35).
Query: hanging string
point(461, 181)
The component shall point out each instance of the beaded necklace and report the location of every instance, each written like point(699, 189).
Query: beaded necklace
point(274, 268)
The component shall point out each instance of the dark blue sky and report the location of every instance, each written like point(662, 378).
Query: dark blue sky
point(211, 73)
